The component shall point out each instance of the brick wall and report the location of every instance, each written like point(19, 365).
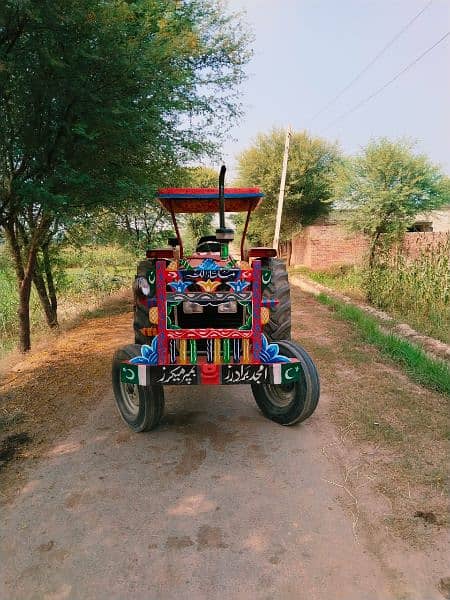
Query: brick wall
point(321, 247)
point(414, 243)
point(324, 246)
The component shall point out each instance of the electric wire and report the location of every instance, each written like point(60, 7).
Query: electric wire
point(388, 83)
point(370, 64)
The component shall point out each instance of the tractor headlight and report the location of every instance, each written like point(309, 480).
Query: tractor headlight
point(227, 307)
point(142, 286)
point(190, 308)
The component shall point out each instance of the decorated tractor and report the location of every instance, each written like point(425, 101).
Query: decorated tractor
point(213, 319)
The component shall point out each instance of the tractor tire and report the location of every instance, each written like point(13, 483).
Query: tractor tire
point(279, 325)
point(288, 404)
point(141, 407)
point(141, 312)
point(140, 321)
point(144, 266)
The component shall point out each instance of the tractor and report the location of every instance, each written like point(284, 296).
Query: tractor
point(212, 318)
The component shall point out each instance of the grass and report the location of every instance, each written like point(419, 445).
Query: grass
point(430, 372)
point(84, 278)
point(417, 290)
point(348, 280)
point(413, 290)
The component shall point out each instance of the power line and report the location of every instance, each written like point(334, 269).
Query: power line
point(370, 64)
point(383, 87)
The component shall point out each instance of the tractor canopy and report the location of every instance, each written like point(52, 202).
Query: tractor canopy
point(206, 200)
point(212, 200)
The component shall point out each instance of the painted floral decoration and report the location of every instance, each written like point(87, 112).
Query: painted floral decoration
point(185, 264)
point(209, 286)
point(270, 353)
point(179, 286)
point(149, 354)
point(239, 285)
point(208, 265)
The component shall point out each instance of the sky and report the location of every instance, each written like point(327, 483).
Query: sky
point(306, 51)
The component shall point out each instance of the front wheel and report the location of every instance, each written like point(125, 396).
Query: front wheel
point(141, 407)
point(291, 403)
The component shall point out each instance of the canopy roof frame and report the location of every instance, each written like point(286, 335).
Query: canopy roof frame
point(203, 200)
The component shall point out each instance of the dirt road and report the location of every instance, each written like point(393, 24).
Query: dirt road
point(216, 503)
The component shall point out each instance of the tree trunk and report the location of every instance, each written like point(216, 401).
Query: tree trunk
point(374, 246)
point(24, 315)
point(24, 273)
point(128, 226)
point(50, 281)
point(373, 250)
point(39, 284)
point(24, 277)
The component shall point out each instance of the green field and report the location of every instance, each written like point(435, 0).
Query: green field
point(84, 278)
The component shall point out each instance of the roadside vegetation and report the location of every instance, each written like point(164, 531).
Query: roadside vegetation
point(430, 372)
point(382, 189)
point(310, 181)
point(348, 280)
point(101, 103)
point(84, 277)
point(416, 290)
point(412, 290)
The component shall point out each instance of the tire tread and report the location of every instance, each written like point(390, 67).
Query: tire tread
point(151, 397)
point(279, 325)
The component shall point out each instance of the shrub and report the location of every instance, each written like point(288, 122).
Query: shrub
point(416, 289)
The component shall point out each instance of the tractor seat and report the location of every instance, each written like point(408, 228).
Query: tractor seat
point(208, 243)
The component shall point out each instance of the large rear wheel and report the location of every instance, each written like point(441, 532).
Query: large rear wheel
point(141, 407)
point(141, 320)
point(279, 325)
point(291, 403)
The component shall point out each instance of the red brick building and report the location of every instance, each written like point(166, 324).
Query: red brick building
point(321, 247)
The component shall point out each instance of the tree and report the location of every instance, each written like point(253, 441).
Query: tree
point(100, 100)
point(198, 224)
point(309, 182)
point(137, 227)
point(144, 225)
point(386, 186)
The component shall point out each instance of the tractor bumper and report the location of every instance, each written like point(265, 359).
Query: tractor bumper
point(210, 374)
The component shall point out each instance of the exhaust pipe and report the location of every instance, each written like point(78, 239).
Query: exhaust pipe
point(224, 235)
point(222, 197)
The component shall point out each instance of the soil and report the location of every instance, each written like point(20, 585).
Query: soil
point(219, 502)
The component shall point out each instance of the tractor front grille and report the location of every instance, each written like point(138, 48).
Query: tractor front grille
point(211, 351)
point(211, 319)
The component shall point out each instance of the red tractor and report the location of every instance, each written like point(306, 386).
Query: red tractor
point(213, 319)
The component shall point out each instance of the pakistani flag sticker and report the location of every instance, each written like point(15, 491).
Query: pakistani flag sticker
point(290, 372)
point(129, 374)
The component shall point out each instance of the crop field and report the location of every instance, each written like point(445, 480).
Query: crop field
point(415, 291)
point(84, 277)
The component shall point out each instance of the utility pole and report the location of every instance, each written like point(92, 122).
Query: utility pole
point(276, 237)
